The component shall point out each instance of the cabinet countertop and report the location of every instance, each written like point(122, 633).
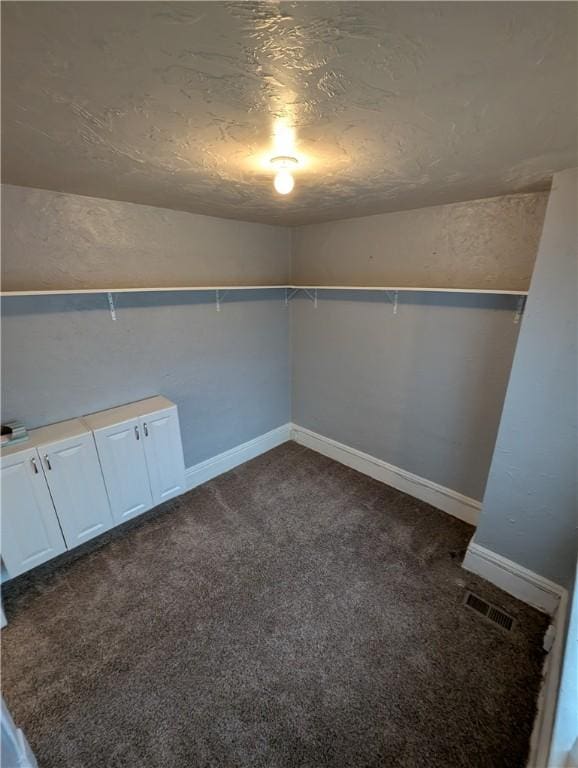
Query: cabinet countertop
point(52, 433)
point(83, 425)
point(108, 418)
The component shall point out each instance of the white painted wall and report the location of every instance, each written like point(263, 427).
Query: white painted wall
point(64, 356)
point(479, 244)
point(56, 240)
point(421, 389)
point(529, 512)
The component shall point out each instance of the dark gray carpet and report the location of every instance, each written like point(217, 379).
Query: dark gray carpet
point(289, 613)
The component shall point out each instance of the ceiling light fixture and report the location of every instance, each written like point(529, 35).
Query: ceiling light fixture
point(284, 181)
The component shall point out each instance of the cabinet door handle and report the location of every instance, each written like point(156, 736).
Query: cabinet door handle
point(34, 467)
point(47, 460)
point(137, 433)
point(146, 429)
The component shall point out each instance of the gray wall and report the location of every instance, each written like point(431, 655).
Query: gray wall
point(54, 240)
point(421, 389)
point(530, 510)
point(227, 371)
point(480, 244)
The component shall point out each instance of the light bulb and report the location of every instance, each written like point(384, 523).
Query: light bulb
point(283, 182)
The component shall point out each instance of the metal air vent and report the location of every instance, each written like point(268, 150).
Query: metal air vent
point(490, 612)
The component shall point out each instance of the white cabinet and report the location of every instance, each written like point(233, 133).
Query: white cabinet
point(140, 452)
point(74, 480)
point(53, 495)
point(124, 467)
point(74, 477)
point(164, 453)
point(30, 530)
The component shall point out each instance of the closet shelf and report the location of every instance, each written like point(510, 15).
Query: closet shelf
point(195, 288)
point(408, 289)
point(167, 289)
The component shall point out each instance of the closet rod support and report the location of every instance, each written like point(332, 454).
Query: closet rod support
point(289, 294)
point(519, 309)
point(111, 305)
point(312, 296)
point(219, 296)
point(394, 300)
point(306, 291)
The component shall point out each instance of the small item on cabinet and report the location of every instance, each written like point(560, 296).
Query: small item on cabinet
point(13, 432)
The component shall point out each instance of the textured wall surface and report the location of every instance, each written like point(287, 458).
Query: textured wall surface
point(421, 389)
point(392, 105)
point(52, 240)
point(227, 371)
point(530, 510)
point(481, 244)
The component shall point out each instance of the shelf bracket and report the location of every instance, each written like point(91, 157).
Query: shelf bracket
point(519, 309)
point(111, 305)
point(306, 291)
point(312, 296)
point(219, 296)
point(394, 300)
point(289, 294)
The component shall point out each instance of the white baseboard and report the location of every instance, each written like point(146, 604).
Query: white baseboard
point(447, 500)
point(514, 579)
point(549, 597)
point(15, 748)
point(230, 459)
point(541, 740)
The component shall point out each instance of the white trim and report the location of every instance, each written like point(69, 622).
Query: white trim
point(196, 288)
point(447, 500)
point(541, 740)
point(206, 470)
point(514, 579)
point(16, 751)
point(159, 289)
point(409, 289)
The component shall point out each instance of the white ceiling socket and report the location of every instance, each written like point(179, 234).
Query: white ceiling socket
point(284, 181)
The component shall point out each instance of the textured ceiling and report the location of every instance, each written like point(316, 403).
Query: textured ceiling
point(391, 105)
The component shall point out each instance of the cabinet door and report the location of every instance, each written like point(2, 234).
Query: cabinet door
point(122, 458)
point(30, 530)
point(76, 484)
point(164, 454)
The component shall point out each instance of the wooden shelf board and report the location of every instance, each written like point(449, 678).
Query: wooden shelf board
point(191, 289)
point(409, 289)
point(168, 289)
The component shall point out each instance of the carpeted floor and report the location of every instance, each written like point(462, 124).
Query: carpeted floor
point(289, 613)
